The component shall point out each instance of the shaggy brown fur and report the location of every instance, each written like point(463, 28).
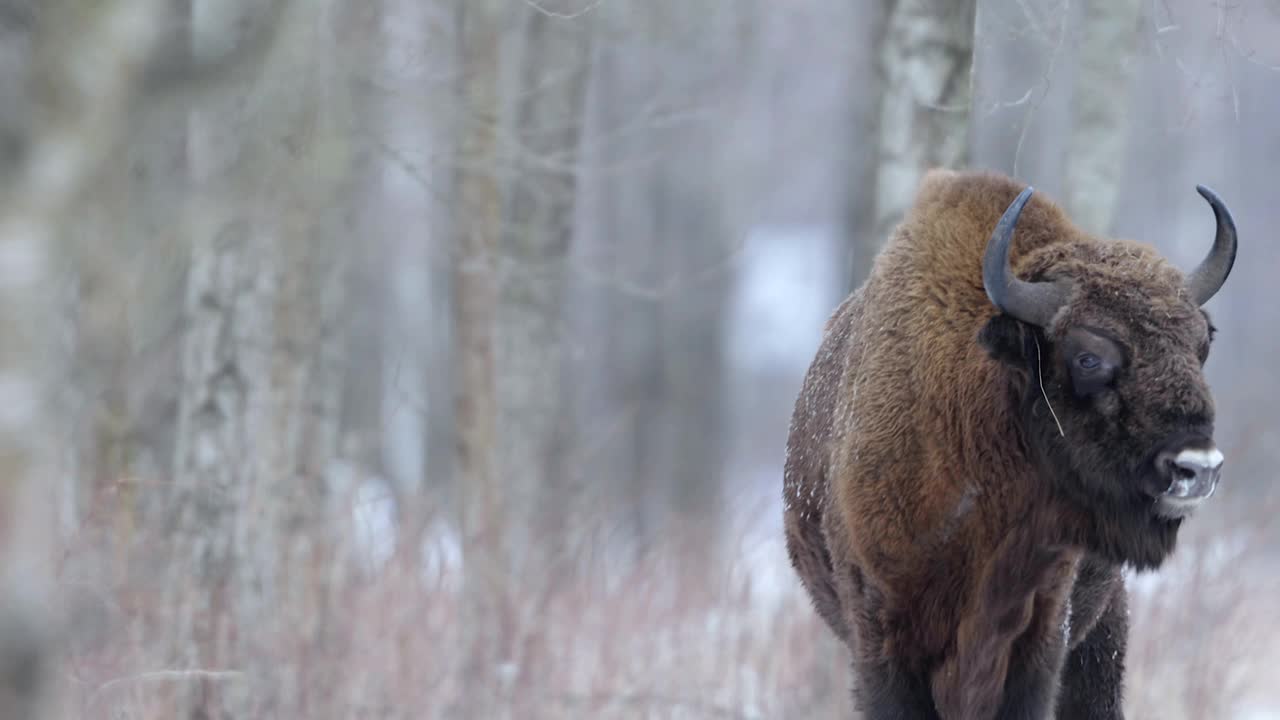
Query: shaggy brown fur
point(967, 552)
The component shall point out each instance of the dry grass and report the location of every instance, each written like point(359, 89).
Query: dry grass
point(1205, 639)
point(658, 637)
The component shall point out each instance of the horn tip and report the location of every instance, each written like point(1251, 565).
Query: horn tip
point(1219, 208)
point(1022, 199)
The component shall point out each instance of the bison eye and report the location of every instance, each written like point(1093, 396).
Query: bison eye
point(1091, 373)
point(1092, 359)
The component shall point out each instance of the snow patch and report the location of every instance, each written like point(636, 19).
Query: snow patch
point(441, 557)
point(786, 289)
point(373, 514)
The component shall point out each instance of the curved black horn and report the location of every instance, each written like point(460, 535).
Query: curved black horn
point(1033, 302)
point(1207, 279)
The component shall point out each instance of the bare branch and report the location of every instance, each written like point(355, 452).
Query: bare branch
point(1046, 82)
point(1249, 56)
point(166, 675)
point(591, 6)
point(1099, 112)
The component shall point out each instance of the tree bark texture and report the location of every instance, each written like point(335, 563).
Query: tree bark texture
point(533, 409)
point(262, 364)
point(410, 217)
point(926, 61)
point(484, 510)
point(1100, 111)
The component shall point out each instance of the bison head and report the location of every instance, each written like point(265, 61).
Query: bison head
point(1110, 340)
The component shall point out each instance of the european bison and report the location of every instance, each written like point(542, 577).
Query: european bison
point(1007, 412)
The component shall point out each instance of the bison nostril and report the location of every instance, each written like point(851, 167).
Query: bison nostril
point(1191, 473)
point(1168, 466)
point(1191, 463)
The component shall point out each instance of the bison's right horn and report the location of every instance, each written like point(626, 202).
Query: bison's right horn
point(1207, 279)
point(1033, 302)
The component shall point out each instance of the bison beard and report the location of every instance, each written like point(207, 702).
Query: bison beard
point(993, 427)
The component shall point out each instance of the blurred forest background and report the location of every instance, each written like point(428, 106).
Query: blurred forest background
point(435, 358)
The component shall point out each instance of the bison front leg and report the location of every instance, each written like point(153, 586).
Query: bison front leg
point(1006, 665)
point(887, 691)
point(1011, 640)
point(886, 687)
point(1032, 684)
point(1092, 682)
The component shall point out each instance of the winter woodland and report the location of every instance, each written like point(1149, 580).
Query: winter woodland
point(414, 359)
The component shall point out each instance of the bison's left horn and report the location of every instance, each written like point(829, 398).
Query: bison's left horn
point(1207, 279)
point(1033, 302)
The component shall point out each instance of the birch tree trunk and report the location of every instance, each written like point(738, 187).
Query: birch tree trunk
point(926, 62)
point(220, 409)
point(1100, 111)
point(224, 404)
point(262, 359)
point(410, 122)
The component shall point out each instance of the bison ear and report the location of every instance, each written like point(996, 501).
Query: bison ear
point(1005, 338)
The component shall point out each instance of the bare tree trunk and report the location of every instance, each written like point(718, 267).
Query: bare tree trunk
point(926, 61)
point(630, 259)
point(27, 463)
point(127, 361)
point(225, 374)
point(224, 412)
point(1100, 110)
point(27, 460)
point(261, 382)
point(484, 516)
point(531, 323)
point(412, 124)
point(693, 326)
point(75, 114)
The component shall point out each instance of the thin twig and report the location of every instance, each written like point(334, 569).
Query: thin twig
point(589, 7)
point(169, 675)
point(1046, 82)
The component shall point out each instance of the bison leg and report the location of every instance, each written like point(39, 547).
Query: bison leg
point(1007, 662)
point(1011, 641)
point(889, 692)
point(1092, 682)
point(886, 688)
point(812, 561)
point(1032, 682)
